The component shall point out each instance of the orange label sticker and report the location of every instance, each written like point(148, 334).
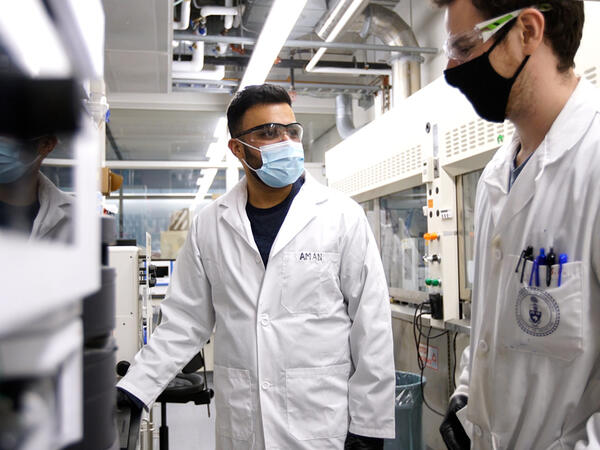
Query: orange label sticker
point(430, 203)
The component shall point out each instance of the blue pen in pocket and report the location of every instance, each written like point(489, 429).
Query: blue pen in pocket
point(539, 261)
point(562, 259)
point(533, 271)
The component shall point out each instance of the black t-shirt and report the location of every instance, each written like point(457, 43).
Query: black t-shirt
point(266, 223)
point(18, 218)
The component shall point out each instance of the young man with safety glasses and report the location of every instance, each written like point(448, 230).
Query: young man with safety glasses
point(288, 274)
point(531, 374)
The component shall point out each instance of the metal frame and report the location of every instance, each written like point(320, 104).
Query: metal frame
point(294, 43)
point(463, 291)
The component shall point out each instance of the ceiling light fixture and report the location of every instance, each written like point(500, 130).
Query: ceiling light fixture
point(278, 26)
point(348, 13)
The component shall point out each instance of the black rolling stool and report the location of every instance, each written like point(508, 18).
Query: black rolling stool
point(187, 386)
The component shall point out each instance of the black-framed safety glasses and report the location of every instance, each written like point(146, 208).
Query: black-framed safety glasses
point(273, 132)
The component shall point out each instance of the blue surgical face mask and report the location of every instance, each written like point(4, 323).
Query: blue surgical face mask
point(282, 163)
point(11, 166)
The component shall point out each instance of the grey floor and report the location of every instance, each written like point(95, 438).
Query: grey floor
point(190, 428)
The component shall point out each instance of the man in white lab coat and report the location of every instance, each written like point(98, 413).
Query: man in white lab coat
point(288, 274)
point(531, 374)
point(30, 202)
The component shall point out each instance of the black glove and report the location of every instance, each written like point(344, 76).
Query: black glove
point(451, 429)
point(356, 442)
point(128, 400)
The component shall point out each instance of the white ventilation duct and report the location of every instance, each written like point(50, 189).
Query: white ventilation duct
point(392, 30)
point(184, 18)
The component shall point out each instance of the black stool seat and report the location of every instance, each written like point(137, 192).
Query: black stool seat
point(186, 387)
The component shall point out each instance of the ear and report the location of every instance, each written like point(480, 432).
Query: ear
point(46, 144)
point(532, 24)
point(236, 148)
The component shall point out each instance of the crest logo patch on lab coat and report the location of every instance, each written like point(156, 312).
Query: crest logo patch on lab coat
point(537, 312)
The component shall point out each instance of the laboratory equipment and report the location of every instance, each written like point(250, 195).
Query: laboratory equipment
point(126, 262)
point(44, 278)
point(99, 426)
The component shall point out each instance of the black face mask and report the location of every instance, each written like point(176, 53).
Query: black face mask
point(487, 91)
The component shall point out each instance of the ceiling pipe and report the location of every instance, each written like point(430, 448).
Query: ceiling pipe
point(301, 86)
point(193, 69)
point(242, 61)
point(218, 73)
point(296, 43)
point(393, 31)
point(227, 11)
point(343, 116)
point(184, 18)
point(197, 62)
point(351, 71)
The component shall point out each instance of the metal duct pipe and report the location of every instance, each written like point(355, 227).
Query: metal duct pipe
point(392, 30)
point(343, 116)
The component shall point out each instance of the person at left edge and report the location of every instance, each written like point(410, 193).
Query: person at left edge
point(288, 274)
point(29, 201)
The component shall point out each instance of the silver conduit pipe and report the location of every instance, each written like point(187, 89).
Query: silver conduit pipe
point(343, 115)
point(392, 30)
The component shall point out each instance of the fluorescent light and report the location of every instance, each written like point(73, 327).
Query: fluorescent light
point(315, 59)
point(277, 28)
point(334, 32)
point(331, 17)
point(345, 18)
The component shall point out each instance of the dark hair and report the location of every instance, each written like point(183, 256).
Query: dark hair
point(250, 96)
point(564, 23)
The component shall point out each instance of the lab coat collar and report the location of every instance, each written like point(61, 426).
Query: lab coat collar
point(576, 117)
point(55, 206)
point(233, 207)
point(301, 211)
point(573, 121)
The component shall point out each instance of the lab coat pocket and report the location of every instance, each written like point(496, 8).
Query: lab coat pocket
point(233, 402)
point(545, 320)
point(317, 401)
point(310, 282)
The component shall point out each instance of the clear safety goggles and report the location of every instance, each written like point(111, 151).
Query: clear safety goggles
point(460, 46)
point(273, 132)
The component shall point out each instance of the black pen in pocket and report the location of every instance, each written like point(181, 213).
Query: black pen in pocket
point(550, 261)
point(526, 255)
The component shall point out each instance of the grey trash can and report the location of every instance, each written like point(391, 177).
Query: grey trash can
point(409, 411)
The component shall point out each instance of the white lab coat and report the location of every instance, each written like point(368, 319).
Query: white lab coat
point(532, 371)
point(55, 218)
point(303, 351)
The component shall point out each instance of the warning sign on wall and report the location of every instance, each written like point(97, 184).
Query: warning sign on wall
point(431, 355)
